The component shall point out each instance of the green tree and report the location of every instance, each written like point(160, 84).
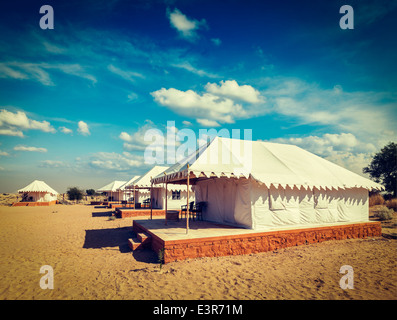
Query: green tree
point(75, 193)
point(90, 192)
point(383, 168)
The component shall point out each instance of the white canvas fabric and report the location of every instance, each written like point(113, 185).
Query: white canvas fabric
point(39, 191)
point(112, 186)
point(129, 182)
point(113, 190)
point(262, 185)
point(143, 184)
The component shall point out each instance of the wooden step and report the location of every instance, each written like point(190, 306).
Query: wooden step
point(135, 244)
point(144, 238)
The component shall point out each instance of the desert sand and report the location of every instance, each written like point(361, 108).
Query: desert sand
point(91, 260)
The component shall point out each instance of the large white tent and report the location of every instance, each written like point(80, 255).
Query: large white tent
point(261, 185)
point(38, 191)
point(176, 194)
point(112, 190)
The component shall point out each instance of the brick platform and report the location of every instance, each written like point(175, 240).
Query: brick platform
point(126, 212)
point(246, 242)
point(34, 204)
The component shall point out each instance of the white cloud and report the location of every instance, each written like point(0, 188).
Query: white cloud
point(208, 123)
point(233, 90)
point(343, 149)
point(30, 149)
point(132, 96)
point(11, 132)
point(3, 154)
point(38, 71)
point(115, 161)
point(126, 75)
point(365, 113)
point(216, 41)
point(83, 128)
point(12, 123)
point(137, 141)
point(25, 71)
point(187, 123)
point(53, 164)
point(220, 104)
point(186, 27)
point(188, 67)
point(66, 130)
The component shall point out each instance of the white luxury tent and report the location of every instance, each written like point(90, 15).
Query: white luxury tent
point(127, 192)
point(112, 190)
point(262, 185)
point(38, 191)
point(176, 194)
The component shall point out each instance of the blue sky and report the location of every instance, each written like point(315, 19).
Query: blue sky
point(76, 101)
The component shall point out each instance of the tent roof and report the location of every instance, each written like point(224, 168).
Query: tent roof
point(113, 186)
point(129, 183)
point(268, 163)
point(38, 186)
point(145, 179)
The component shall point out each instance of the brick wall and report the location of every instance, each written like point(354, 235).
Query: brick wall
point(260, 242)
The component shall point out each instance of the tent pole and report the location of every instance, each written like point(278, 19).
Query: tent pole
point(187, 204)
point(166, 203)
point(151, 206)
point(134, 196)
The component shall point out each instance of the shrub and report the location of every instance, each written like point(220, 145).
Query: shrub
point(392, 204)
point(384, 213)
point(75, 193)
point(90, 192)
point(376, 199)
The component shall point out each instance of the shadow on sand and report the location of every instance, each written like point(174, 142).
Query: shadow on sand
point(102, 214)
point(105, 238)
point(117, 238)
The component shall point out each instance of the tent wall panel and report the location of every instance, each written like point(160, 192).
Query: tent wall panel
point(261, 214)
point(242, 208)
point(306, 207)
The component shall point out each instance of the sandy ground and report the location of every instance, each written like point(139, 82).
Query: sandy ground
point(91, 260)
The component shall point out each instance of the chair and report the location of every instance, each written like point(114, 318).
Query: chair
point(197, 211)
point(184, 208)
point(146, 202)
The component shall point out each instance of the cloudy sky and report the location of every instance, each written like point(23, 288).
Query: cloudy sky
point(77, 100)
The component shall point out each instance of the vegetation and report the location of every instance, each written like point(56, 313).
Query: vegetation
point(383, 168)
point(90, 192)
point(161, 257)
point(376, 199)
point(75, 193)
point(392, 204)
point(384, 213)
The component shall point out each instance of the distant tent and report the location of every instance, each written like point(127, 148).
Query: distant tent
point(128, 193)
point(176, 194)
point(38, 191)
point(112, 190)
point(261, 185)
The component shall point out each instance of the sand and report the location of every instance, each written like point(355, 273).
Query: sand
point(91, 260)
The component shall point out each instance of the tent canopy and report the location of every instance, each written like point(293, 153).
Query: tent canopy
point(144, 181)
point(129, 183)
point(38, 186)
point(112, 187)
point(267, 163)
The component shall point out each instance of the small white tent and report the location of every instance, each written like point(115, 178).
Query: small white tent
point(38, 191)
point(261, 185)
point(127, 190)
point(112, 190)
point(176, 194)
